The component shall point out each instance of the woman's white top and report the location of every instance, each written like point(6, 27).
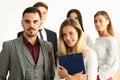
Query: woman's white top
point(88, 39)
point(107, 54)
point(91, 64)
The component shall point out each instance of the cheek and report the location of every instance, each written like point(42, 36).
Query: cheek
point(37, 26)
point(22, 24)
point(64, 39)
point(76, 38)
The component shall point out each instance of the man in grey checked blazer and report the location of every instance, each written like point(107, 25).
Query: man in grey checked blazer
point(27, 57)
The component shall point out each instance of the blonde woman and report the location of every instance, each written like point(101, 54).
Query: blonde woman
point(71, 41)
point(105, 46)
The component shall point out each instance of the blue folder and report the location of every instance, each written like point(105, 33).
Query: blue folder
point(74, 63)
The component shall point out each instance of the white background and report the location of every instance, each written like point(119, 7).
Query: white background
point(11, 13)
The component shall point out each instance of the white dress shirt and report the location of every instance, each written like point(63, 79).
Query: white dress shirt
point(43, 32)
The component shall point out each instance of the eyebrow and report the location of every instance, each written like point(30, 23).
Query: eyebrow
point(26, 20)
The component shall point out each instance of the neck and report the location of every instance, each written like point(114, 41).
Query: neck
point(41, 25)
point(32, 40)
point(70, 50)
point(104, 34)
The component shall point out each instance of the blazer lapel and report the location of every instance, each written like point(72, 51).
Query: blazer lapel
point(44, 52)
point(18, 43)
point(28, 55)
point(22, 53)
point(40, 54)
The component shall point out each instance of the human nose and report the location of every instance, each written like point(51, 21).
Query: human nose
point(67, 37)
point(42, 15)
point(31, 24)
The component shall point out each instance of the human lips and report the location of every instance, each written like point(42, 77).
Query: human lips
point(69, 42)
point(31, 29)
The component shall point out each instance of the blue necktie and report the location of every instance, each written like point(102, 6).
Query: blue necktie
point(41, 34)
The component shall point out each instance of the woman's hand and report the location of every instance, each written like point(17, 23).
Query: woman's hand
point(78, 76)
point(62, 72)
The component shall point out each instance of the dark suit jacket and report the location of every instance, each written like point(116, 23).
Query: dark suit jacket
point(51, 37)
point(13, 55)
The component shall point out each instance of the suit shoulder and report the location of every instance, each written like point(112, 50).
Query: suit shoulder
point(8, 41)
point(12, 40)
point(8, 44)
point(19, 33)
point(48, 30)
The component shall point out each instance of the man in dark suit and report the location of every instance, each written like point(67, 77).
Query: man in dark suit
point(27, 57)
point(47, 34)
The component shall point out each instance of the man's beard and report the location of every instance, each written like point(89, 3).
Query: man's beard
point(31, 35)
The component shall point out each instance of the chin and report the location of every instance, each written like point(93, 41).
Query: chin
point(70, 45)
point(32, 35)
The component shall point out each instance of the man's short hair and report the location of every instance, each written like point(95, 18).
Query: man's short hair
point(38, 4)
point(31, 10)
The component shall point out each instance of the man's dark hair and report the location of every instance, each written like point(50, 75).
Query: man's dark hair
point(31, 10)
point(39, 4)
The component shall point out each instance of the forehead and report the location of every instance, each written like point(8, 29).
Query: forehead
point(32, 16)
point(73, 14)
point(42, 9)
point(68, 28)
point(99, 17)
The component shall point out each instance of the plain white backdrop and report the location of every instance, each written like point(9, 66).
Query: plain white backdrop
point(11, 13)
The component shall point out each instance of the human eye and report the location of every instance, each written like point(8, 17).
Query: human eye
point(76, 18)
point(71, 33)
point(36, 21)
point(95, 21)
point(63, 35)
point(44, 13)
point(101, 21)
point(27, 21)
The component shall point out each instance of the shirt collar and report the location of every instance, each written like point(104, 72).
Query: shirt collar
point(26, 42)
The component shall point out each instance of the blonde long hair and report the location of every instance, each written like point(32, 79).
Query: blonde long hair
point(80, 45)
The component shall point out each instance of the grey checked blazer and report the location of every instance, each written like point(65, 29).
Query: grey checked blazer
point(12, 59)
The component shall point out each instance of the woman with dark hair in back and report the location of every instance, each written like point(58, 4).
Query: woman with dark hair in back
point(74, 13)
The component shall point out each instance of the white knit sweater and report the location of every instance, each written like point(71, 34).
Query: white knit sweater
point(107, 53)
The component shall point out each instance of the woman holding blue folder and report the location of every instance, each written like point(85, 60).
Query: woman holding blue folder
point(71, 42)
